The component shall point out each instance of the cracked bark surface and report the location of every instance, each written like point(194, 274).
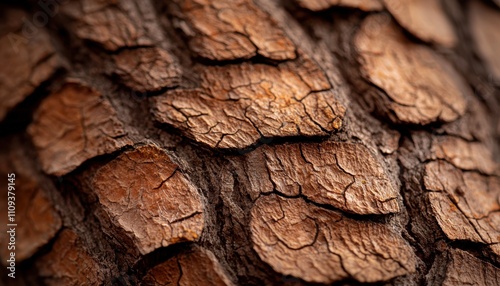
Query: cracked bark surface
point(74, 124)
point(28, 61)
point(230, 30)
point(457, 267)
point(112, 24)
point(322, 246)
point(147, 69)
point(38, 221)
point(69, 263)
point(343, 175)
point(155, 204)
point(196, 266)
point(252, 142)
point(466, 204)
point(236, 105)
point(421, 87)
point(464, 155)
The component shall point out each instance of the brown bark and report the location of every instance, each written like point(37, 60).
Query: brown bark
point(252, 142)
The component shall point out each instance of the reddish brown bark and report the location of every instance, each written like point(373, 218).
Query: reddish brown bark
point(252, 142)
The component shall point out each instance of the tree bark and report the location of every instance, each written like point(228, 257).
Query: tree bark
point(250, 142)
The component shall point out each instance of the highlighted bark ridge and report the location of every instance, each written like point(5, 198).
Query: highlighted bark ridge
point(458, 267)
point(319, 245)
point(147, 69)
point(232, 29)
point(236, 105)
point(73, 125)
point(197, 266)
point(26, 63)
point(421, 86)
point(109, 23)
point(344, 175)
point(426, 19)
point(319, 5)
point(145, 194)
point(69, 263)
point(464, 191)
point(466, 203)
point(471, 156)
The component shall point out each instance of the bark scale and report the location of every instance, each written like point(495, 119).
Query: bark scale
point(252, 142)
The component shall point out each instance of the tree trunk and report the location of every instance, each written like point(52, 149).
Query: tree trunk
point(250, 142)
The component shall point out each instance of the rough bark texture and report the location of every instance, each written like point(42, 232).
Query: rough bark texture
point(252, 142)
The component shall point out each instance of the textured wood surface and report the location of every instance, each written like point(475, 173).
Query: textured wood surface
point(145, 194)
point(319, 245)
point(422, 87)
point(27, 64)
point(252, 142)
point(193, 267)
point(74, 124)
